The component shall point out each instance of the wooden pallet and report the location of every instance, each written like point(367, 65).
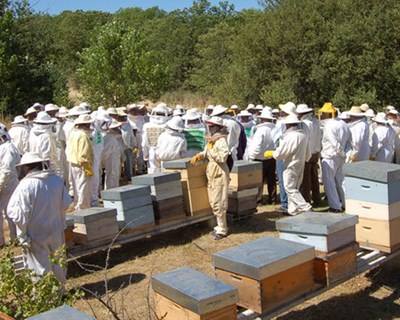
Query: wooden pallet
point(367, 260)
point(124, 238)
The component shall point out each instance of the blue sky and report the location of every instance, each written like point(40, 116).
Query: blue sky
point(56, 6)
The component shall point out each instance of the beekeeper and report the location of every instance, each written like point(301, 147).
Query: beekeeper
point(151, 131)
point(30, 115)
point(42, 139)
point(112, 154)
point(294, 150)
point(9, 158)
point(61, 142)
point(310, 186)
point(259, 109)
point(336, 143)
point(19, 133)
point(359, 135)
point(261, 141)
point(194, 132)
point(383, 140)
point(129, 143)
point(38, 107)
point(80, 157)
point(217, 152)
point(137, 119)
point(207, 112)
point(327, 111)
point(51, 109)
point(37, 208)
point(233, 128)
point(247, 121)
point(252, 109)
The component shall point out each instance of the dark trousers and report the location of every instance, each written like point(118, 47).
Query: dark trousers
point(310, 187)
point(269, 178)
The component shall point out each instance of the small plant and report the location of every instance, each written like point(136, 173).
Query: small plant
point(23, 294)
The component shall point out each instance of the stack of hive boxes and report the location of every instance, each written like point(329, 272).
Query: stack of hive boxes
point(245, 181)
point(194, 185)
point(267, 272)
point(133, 204)
point(166, 193)
point(372, 193)
point(64, 312)
point(332, 235)
point(95, 224)
point(186, 294)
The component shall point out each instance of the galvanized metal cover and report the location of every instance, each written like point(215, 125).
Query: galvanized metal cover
point(177, 164)
point(93, 214)
point(62, 313)
point(319, 223)
point(194, 290)
point(156, 178)
point(245, 166)
point(373, 170)
point(263, 257)
point(125, 192)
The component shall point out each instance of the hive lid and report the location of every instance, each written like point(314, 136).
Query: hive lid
point(124, 192)
point(156, 178)
point(320, 223)
point(263, 257)
point(373, 170)
point(92, 214)
point(245, 166)
point(62, 313)
point(194, 290)
point(177, 164)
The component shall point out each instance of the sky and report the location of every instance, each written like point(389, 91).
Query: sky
point(57, 6)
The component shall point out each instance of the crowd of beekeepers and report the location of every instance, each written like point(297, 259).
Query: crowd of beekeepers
point(54, 158)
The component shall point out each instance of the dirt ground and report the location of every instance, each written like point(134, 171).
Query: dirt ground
point(371, 296)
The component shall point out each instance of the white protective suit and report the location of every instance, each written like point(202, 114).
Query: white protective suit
point(360, 139)
point(98, 149)
point(336, 143)
point(138, 122)
point(261, 141)
point(314, 130)
point(37, 208)
point(111, 159)
point(9, 158)
point(42, 140)
point(171, 145)
point(383, 141)
point(61, 143)
point(294, 150)
point(19, 134)
point(151, 131)
point(129, 143)
point(233, 135)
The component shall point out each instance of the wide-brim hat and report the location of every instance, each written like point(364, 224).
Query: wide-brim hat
point(218, 110)
point(259, 107)
point(250, 106)
point(44, 118)
point(370, 113)
point(31, 110)
point(112, 111)
point(266, 114)
point(380, 118)
point(19, 119)
point(303, 108)
point(291, 119)
point(62, 113)
point(344, 116)
point(288, 107)
point(356, 112)
point(234, 107)
point(327, 108)
point(191, 115)
point(217, 121)
point(244, 113)
point(51, 107)
point(364, 107)
point(176, 124)
point(30, 158)
point(77, 111)
point(115, 124)
point(83, 119)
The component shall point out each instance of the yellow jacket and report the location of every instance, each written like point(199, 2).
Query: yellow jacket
point(79, 149)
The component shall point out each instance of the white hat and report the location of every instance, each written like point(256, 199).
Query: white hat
point(356, 112)
point(114, 124)
point(216, 121)
point(389, 108)
point(122, 112)
point(38, 105)
point(394, 112)
point(102, 108)
point(291, 119)
point(303, 108)
point(266, 114)
point(85, 105)
point(268, 108)
point(83, 119)
point(62, 112)
point(288, 107)
point(19, 119)
point(112, 111)
point(380, 118)
point(364, 107)
point(234, 107)
point(259, 107)
point(210, 107)
point(176, 124)
point(250, 106)
point(51, 107)
point(218, 110)
point(131, 106)
point(192, 114)
point(370, 113)
point(244, 113)
point(160, 108)
point(344, 116)
point(178, 112)
point(77, 111)
point(275, 111)
point(29, 158)
point(30, 110)
point(44, 118)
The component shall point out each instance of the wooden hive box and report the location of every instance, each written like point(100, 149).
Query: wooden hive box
point(337, 265)
point(242, 201)
point(69, 231)
point(94, 224)
point(185, 168)
point(326, 232)
point(169, 209)
point(186, 294)
point(267, 272)
point(245, 175)
point(371, 210)
point(62, 313)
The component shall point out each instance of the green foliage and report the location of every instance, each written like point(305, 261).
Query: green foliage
point(23, 295)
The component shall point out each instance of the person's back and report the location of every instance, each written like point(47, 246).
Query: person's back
point(261, 141)
point(43, 142)
point(19, 134)
point(383, 143)
point(360, 138)
point(171, 146)
point(336, 139)
point(293, 148)
point(234, 131)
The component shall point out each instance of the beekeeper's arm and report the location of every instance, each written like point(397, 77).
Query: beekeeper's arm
point(219, 152)
point(256, 145)
point(85, 158)
point(145, 144)
point(284, 150)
